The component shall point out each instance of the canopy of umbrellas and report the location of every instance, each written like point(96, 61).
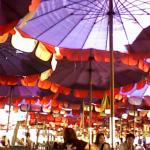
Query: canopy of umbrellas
point(47, 68)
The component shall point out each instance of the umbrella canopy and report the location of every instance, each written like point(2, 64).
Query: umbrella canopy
point(16, 63)
point(139, 96)
point(82, 24)
point(140, 45)
point(12, 11)
point(75, 75)
point(23, 91)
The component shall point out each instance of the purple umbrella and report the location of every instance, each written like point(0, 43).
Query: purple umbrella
point(105, 25)
point(21, 91)
point(140, 46)
point(138, 97)
point(16, 63)
point(85, 23)
point(75, 75)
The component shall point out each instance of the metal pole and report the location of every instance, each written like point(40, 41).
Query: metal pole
point(110, 23)
point(10, 102)
point(90, 95)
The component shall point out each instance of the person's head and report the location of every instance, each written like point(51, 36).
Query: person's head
point(69, 134)
point(28, 135)
point(130, 139)
point(100, 139)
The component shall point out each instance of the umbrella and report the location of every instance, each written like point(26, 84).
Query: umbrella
point(88, 24)
point(20, 91)
point(140, 45)
point(12, 11)
point(84, 24)
point(16, 63)
point(139, 96)
point(75, 75)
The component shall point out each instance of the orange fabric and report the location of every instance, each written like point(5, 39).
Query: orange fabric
point(60, 105)
point(8, 80)
point(7, 27)
point(64, 90)
point(141, 84)
point(132, 61)
point(80, 93)
point(34, 4)
point(44, 100)
point(118, 96)
point(31, 100)
point(54, 88)
point(54, 103)
point(44, 84)
point(75, 106)
point(30, 80)
point(98, 94)
point(127, 88)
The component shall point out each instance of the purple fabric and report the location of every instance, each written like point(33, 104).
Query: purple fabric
point(72, 99)
point(23, 91)
point(15, 63)
point(84, 24)
point(141, 43)
point(12, 10)
point(75, 75)
point(138, 93)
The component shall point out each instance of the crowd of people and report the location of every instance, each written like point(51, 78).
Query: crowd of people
point(71, 142)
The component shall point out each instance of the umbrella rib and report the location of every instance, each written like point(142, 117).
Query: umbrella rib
point(30, 56)
point(131, 15)
point(92, 27)
point(52, 11)
point(2, 63)
point(132, 5)
point(120, 6)
point(40, 34)
point(78, 3)
point(136, 6)
point(72, 29)
point(8, 59)
point(123, 27)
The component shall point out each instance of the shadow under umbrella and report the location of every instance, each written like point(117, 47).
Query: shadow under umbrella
point(17, 64)
point(90, 24)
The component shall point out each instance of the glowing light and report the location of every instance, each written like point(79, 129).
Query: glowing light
point(42, 52)
point(23, 44)
point(54, 63)
point(124, 116)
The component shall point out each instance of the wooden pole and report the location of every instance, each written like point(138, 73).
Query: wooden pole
point(110, 24)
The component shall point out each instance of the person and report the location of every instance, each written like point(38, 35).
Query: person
point(71, 142)
point(28, 140)
point(4, 143)
point(100, 143)
point(128, 144)
point(55, 146)
point(117, 146)
point(21, 142)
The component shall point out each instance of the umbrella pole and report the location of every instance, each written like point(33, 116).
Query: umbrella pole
point(90, 95)
point(10, 102)
point(26, 124)
point(134, 124)
point(110, 24)
point(83, 119)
